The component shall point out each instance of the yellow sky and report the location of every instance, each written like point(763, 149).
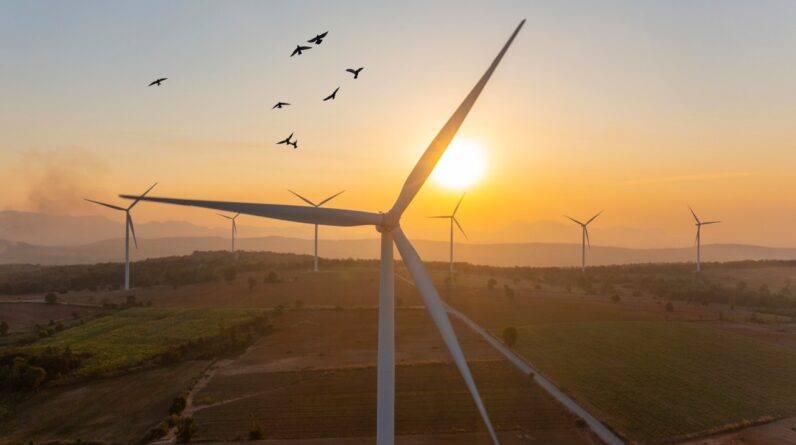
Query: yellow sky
point(636, 108)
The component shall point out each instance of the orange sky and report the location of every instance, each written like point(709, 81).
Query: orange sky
point(636, 108)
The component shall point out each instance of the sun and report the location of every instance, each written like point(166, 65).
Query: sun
point(461, 166)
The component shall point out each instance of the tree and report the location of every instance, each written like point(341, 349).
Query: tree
point(491, 283)
point(186, 428)
point(509, 291)
point(51, 298)
point(178, 404)
point(510, 336)
point(3, 327)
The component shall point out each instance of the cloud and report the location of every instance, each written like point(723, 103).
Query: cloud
point(689, 178)
point(60, 178)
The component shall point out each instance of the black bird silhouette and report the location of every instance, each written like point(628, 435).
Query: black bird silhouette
point(299, 49)
point(355, 72)
point(318, 39)
point(285, 140)
point(280, 105)
point(332, 96)
point(158, 81)
point(294, 144)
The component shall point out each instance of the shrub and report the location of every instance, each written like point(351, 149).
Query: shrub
point(491, 283)
point(229, 273)
point(510, 336)
point(669, 306)
point(51, 298)
point(178, 404)
point(186, 428)
point(255, 430)
point(3, 327)
point(509, 291)
point(297, 304)
point(34, 376)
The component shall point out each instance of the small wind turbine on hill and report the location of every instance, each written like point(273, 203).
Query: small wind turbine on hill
point(698, 239)
point(315, 263)
point(389, 225)
point(234, 227)
point(128, 228)
point(585, 237)
point(452, 218)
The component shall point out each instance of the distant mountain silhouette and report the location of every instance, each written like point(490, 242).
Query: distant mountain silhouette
point(509, 254)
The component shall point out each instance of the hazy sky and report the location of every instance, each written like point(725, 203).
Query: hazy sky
point(636, 107)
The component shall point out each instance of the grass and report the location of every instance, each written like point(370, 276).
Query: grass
point(655, 381)
point(131, 337)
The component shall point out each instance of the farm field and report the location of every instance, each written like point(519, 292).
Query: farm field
point(655, 381)
point(115, 410)
point(24, 316)
point(133, 336)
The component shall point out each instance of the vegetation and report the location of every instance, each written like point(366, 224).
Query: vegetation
point(509, 336)
point(656, 381)
point(186, 428)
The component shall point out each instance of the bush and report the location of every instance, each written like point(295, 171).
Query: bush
point(178, 404)
point(491, 283)
point(186, 428)
point(255, 430)
point(3, 327)
point(51, 298)
point(669, 306)
point(509, 291)
point(34, 376)
point(510, 336)
point(297, 304)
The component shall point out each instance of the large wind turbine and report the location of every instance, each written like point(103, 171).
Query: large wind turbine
point(315, 265)
point(388, 224)
point(698, 239)
point(234, 227)
point(452, 218)
point(584, 238)
point(128, 228)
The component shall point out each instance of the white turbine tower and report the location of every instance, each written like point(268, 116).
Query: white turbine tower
point(452, 218)
point(698, 239)
point(584, 238)
point(388, 224)
point(315, 265)
point(128, 228)
point(234, 227)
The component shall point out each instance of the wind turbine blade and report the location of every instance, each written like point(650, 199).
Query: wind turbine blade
point(104, 204)
point(460, 228)
point(594, 217)
point(425, 288)
point(437, 148)
point(441, 217)
point(234, 228)
point(223, 216)
point(695, 217)
point(303, 198)
point(710, 222)
point(455, 209)
point(139, 198)
point(574, 220)
point(302, 214)
point(330, 198)
point(586, 231)
point(132, 229)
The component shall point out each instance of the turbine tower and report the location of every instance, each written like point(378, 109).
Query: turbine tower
point(128, 228)
point(452, 218)
point(315, 264)
point(698, 239)
point(234, 227)
point(388, 224)
point(584, 238)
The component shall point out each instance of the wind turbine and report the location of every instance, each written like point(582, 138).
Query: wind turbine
point(234, 227)
point(452, 218)
point(128, 228)
point(585, 237)
point(315, 265)
point(389, 225)
point(698, 239)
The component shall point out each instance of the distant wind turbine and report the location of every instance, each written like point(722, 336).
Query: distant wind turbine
point(128, 228)
point(698, 239)
point(315, 265)
point(453, 220)
point(389, 225)
point(234, 227)
point(585, 237)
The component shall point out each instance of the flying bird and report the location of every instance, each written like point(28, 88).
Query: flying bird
point(332, 96)
point(286, 140)
point(299, 49)
point(355, 72)
point(280, 105)
point(318, 39)
point(158, 81)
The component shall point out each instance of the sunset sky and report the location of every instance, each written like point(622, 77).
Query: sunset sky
point(638, 108)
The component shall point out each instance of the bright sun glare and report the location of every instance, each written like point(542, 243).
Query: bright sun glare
point(461, 166)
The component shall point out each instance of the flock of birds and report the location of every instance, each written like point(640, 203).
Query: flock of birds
point(317, 40)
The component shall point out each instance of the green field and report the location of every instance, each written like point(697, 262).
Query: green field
point(131, 337)
point(655, 381)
